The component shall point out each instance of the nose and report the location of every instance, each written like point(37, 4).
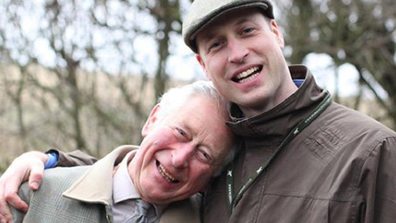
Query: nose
point(237, 51)
point(182, 156)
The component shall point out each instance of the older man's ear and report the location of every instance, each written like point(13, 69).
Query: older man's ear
point(151, 120)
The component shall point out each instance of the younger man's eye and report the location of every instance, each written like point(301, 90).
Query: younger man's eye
point(247, 30)
point(215, 44)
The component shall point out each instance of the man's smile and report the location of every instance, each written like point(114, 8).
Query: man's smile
point(165, 174)
point(247, 75)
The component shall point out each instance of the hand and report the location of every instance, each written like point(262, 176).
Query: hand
point(28, 166)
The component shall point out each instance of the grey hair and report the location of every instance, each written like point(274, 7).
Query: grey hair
point(177, 97)
point(228, 159)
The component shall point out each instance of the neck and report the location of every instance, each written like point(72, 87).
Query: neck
point(272, 101)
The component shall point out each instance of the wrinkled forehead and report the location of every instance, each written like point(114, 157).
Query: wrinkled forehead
point(203, 115)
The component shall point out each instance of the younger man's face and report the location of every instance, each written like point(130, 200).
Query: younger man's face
point(241, 53)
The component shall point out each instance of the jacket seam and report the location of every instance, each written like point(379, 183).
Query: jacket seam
point(376, 145)
point(310, 197)
point(262, 194)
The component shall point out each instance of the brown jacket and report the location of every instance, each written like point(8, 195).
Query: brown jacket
point(341, 168)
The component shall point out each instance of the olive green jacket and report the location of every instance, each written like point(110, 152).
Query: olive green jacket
point(84, 193)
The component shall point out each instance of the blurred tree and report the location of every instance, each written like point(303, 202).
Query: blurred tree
point(88, 66)
point(83, 75)
point(359, 32)
point(167, 16)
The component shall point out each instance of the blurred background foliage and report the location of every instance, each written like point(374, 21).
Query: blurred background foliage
point(84, 74)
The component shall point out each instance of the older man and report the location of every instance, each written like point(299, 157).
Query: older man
point(183, 147)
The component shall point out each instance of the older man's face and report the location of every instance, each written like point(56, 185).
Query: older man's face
point(179, 153)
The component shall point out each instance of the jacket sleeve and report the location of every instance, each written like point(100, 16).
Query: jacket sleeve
point(378, 183)
point(74, 158)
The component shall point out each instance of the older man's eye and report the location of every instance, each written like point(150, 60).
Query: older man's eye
point(204, 156)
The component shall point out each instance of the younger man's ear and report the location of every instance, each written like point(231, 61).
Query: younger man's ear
point(201, 62)
point(278, 34)
point(151, 120)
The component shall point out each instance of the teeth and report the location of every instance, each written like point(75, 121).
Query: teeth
point(246, 74)
point(166, 175)
point(248, 79)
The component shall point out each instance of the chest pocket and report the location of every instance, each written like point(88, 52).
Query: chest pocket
point(292, 209)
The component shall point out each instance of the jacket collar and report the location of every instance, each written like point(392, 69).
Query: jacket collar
point(95, 185)
point(272, 126)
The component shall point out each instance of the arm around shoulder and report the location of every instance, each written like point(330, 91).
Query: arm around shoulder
point(74, 158)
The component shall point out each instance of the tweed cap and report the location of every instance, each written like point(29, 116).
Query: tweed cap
point(203, 12)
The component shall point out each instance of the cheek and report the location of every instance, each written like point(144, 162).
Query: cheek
point(276, 51)
point(215, 65)
point(200, 175)
point(147, 153)
point(156, 141)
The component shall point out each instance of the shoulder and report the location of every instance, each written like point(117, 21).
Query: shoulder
point(351, 124)
point(59, 179)
point(343, 132)
point(54, 183)
point(63, 175)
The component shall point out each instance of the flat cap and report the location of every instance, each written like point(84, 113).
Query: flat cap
point(203, 12)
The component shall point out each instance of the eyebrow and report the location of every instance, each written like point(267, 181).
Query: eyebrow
point(207, 37)
point(195, 133)
point(242, 20)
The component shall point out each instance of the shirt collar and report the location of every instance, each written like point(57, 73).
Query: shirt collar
point(123, 187)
